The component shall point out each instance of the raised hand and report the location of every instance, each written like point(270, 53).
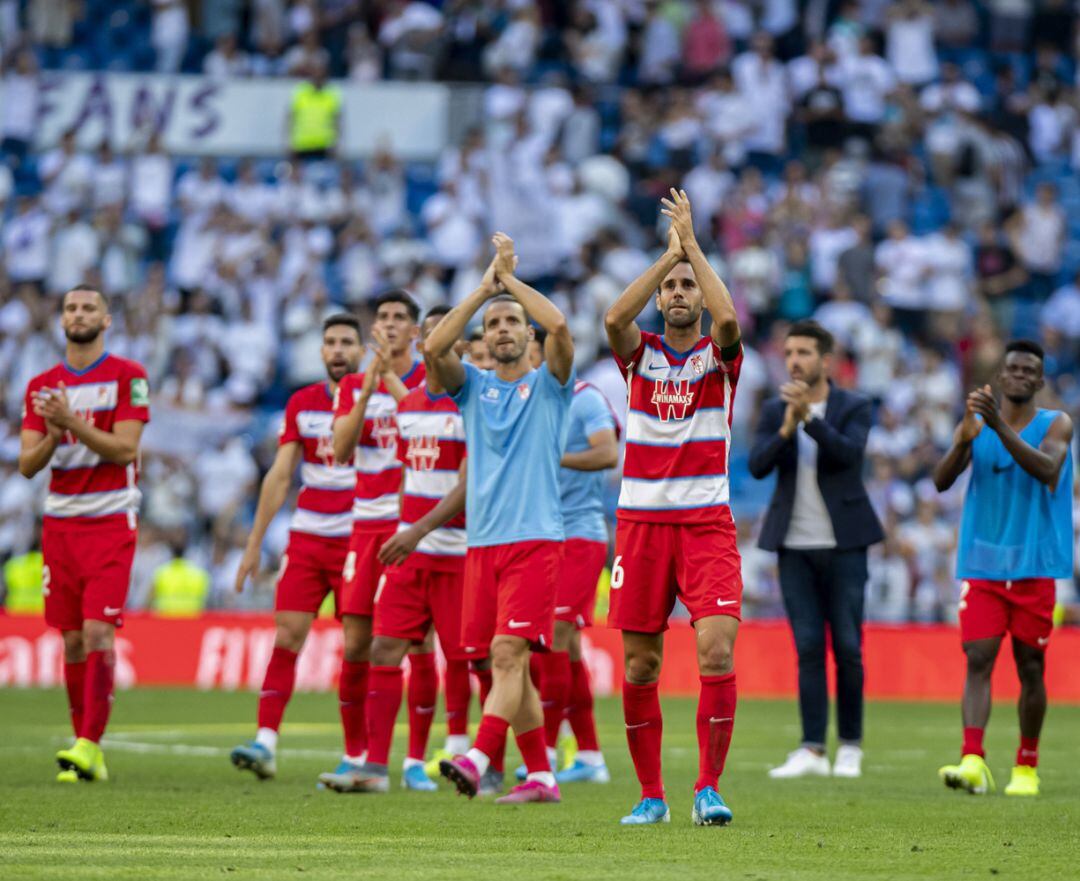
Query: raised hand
point(969, 426)
point(674, 243)
point(52, 405)
point(678, 209)
point(505, 261)
point(984, 404)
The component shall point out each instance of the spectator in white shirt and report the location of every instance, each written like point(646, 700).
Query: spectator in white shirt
point(19, 112)
point(26, 243)
point(909, 42)
point(867, 81)
point(661, 49)
point(75, 250)
point(516, 46)
point(1037, 233)
point(67, 175)
point(900, 261)
point(226, 60)
point(761, 78)
point(169, 34)
point(109, 181)
point(950, 269)
point(151, 192)
point(1062, 310)
point(827, 243)
point(201, 189)
point(410, 32)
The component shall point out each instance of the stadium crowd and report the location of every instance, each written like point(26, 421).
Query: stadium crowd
point(902, 172)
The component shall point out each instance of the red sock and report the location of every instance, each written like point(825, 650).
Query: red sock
point(715, 720)
point(973, 742)
point(555, 692)
point(580, 708)
point(491, 738)
point(1028, 754)
point(458, 691)
point(644, 733)
point(352, 698)
point(484, 678)
point(277, 687)
point(98, 696)
point(75, 680)
point(385, 686)
point(423, 693)
point(534, 750)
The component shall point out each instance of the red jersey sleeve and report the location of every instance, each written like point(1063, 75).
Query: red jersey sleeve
point(634, 357)
point(133, 395)
point(343, 397)
point(30, 420)
point(290, 431)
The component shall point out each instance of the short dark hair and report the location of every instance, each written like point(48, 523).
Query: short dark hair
point(399, 296)
point(476, 335)
point(502, 298)
point(88, 288)
point(1029, 346)
point(343, 318)
point(437, 311)
point(810, 328)
point(539, 335)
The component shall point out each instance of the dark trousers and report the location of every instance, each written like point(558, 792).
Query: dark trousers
point(827, 588)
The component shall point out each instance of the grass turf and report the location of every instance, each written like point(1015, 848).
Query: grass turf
point(175, 808)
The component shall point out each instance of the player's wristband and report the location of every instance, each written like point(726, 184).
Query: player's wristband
point(730, 353)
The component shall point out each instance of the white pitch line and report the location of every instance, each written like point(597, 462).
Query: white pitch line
point(187, 749)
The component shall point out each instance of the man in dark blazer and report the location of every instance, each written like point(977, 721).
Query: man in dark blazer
point(821, 522)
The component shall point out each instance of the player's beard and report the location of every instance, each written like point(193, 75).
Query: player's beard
point(82, 336)
point(338, 372)
point(685, 319)
point(509, 356)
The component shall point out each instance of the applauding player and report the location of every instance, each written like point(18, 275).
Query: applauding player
point(422, 584)
point(365, 433)
point(84, 418)
point(1016, 537)
point(675, 534)
point(515, 424)
point(318, 537)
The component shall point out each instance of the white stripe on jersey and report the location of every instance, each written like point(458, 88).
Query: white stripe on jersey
point(443, 425)
point(430, 484)
point(376, 460)
point(679, 493)
point(381, 508)
point(102, 504)
point(708, 423)
point(327, 477)
point(442, 542)
point(327, 525)
point(315, 423)
point(92, 396)
point(70, 456)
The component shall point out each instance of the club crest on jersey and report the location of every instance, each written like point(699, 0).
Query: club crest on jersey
point(672, 398)
point(324, 449)
point(697, 364)
point(523, 391)
point(384, 431)
point(423, 453)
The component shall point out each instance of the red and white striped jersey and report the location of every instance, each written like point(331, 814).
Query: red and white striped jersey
point(84, 488)
point(378, 471)
point(432, 449)
point(678, 429)
point(324, 506)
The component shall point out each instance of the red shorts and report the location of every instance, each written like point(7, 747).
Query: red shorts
point(412, 598)
point(582, 563)
point(87, 572)
point(1024, 608)
point(310, 569)
point(510, 591)
point(362, 571)
point(655, 562)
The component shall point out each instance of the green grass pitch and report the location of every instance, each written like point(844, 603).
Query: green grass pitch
point(175, 807)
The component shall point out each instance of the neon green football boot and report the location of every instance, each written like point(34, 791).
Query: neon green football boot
point(85, 758)
point(971, 775)
point(1025, 781)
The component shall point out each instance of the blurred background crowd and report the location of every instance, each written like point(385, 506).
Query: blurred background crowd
point(904, 172)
